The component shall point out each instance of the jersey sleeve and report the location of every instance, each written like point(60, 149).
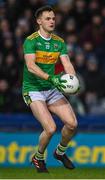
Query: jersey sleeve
point(63, 49)
point(29, 46)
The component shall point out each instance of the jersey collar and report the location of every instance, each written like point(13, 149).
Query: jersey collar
point(47, 39)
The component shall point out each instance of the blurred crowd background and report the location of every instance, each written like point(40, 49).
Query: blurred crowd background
point(81, 23)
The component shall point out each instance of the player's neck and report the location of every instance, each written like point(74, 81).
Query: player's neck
point(44, 35)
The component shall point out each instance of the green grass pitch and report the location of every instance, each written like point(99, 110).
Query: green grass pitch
point(54, 173)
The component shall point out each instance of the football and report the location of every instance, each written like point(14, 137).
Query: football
point(72, 83)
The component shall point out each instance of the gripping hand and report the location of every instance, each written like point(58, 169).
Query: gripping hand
point(57, 81)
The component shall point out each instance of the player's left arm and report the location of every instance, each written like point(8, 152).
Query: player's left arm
point(65, 60)
point(68, 67)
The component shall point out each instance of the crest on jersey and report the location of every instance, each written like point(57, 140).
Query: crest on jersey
point(56, 46)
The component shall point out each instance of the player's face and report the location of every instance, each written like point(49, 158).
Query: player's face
point(47, 21)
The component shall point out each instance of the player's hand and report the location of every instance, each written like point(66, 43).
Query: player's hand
point(57, 81)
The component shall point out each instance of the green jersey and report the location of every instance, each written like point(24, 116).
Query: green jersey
point(47, 53)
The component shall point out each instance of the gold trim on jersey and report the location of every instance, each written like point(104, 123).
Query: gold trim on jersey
point(33, 35)
point(46, 57)
point(55, 37)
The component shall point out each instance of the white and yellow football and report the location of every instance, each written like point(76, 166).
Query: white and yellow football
point(72, 84)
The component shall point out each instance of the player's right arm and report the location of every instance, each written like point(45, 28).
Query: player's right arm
point(33, 68)
point(29, 56)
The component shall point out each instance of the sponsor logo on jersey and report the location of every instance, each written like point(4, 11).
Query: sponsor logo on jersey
point(46, 57)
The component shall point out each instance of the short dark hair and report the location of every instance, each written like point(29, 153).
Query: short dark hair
point(40, 10)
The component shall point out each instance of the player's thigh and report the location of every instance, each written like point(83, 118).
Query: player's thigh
point(63, 109)
point(41, 112)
